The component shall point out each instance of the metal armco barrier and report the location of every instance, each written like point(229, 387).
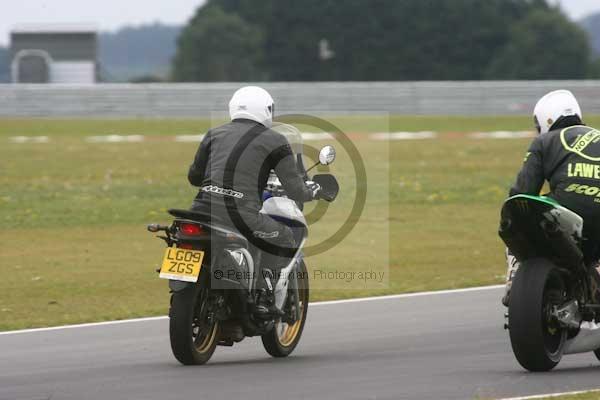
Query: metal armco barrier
point(328, 98)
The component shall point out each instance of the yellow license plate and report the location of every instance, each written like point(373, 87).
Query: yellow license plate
point(181, 264)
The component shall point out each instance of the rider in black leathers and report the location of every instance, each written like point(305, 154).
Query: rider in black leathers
point(231, 168)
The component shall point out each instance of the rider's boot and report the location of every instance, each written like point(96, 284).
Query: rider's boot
point(265, 304)
point(513, 266)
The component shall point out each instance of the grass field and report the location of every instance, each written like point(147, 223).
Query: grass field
point(73, 213)
point(593, 395)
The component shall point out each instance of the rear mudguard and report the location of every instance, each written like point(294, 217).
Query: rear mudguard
point(178, 286)
point(537, 226)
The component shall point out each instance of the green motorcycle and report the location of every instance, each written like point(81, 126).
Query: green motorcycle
point(553, 309)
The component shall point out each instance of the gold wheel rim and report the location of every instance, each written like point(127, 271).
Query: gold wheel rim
point(208, 340)
point(288, 333)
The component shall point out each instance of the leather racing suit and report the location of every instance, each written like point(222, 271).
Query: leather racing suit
point(231, 167)
point(568, 158)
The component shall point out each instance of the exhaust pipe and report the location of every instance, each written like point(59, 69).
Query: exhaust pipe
point(588, 339)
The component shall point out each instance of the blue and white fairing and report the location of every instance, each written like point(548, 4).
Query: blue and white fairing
point(286, 210)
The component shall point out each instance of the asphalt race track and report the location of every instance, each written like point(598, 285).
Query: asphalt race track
point(440, 346)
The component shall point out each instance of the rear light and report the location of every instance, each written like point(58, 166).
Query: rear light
point(187, 246)
point(191, 229)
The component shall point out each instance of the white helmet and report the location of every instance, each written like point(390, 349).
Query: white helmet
point(554, 106)
point(254, 103)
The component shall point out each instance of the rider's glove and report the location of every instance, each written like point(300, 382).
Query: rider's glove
point(314, 188)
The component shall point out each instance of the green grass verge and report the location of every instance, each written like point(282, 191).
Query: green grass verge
point(592, 395)
point(78, 127)
point(73, 214)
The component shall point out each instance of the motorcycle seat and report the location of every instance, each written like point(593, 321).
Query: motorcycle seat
point(192, 215)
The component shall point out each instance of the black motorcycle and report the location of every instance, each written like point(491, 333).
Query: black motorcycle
point(213, 271)
point(553, 305)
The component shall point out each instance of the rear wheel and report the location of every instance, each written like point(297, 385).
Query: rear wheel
point(193, 330)
point(536, 336)
point(283, 338)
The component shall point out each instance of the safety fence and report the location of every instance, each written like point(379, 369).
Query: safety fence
point(329, 98)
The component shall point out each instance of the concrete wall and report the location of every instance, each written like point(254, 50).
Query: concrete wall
point(202, 99)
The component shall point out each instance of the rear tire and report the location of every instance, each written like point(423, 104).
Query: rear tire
point(283, 338)
point(537, 339)
point(193, 336)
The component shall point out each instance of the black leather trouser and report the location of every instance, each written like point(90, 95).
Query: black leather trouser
point(271, 241)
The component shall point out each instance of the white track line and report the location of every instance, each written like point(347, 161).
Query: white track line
point(406, 295)
point(317, 136)
point(115, 139)
point(543, 396)
point(502, 135)
point(320, 303)
point(189, 138)
point(403, 135)
point(29, 139)
point(307, 136)
point(87, 325)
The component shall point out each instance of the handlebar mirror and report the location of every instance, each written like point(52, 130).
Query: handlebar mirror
point(327, 155)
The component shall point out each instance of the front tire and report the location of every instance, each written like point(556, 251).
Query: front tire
point(536, 337)
point(283, 338)
point(192, 330)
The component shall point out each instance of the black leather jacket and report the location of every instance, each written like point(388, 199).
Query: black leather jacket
point(234, 161)
point(569, 159)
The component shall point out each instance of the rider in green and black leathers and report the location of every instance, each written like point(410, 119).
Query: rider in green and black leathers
point(567, 155)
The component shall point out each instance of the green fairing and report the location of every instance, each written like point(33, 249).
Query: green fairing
point(539, 227)
point(541, 199)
